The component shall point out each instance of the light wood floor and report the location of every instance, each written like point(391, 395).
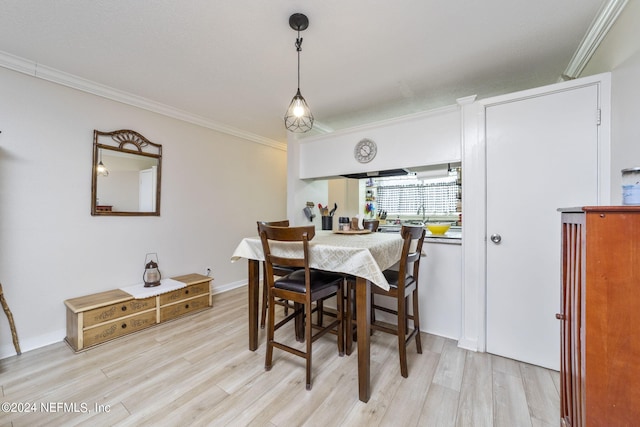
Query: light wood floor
point(198, 371)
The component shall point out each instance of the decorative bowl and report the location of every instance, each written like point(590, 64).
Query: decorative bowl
point(438, 229)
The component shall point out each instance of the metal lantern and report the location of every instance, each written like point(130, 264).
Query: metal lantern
point(151, 276)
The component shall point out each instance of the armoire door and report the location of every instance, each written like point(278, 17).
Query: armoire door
point(541, 154)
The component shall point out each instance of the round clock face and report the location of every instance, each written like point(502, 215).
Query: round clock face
point(365, 151)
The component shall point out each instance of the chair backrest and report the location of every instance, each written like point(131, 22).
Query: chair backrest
point(283, 223)
point(413, 238)
point(301, 235)
point(370, 224)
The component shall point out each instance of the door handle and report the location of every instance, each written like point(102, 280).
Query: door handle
point(496, 238)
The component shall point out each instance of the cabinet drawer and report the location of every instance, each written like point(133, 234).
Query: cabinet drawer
point(174, 310)
point(188, 292)
point(115, 311)
point(118, 328)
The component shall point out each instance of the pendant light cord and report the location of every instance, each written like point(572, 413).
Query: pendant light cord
point(299, 49)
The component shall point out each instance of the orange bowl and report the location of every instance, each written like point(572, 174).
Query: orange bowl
point(438, 229)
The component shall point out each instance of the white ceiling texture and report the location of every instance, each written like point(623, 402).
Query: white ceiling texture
point(231, 64)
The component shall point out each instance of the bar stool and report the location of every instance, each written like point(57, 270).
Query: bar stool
point(403, 283)
point(279, 271)
point(304, 287)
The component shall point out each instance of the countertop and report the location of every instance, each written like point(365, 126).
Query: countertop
point(452, 236)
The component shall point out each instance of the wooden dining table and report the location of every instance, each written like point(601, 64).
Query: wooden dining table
point(364, 256)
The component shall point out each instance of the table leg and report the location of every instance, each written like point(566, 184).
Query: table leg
point(254, 293)
point(363, 321)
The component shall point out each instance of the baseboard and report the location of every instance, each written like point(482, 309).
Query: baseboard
point(32, 343)
point(228, 287)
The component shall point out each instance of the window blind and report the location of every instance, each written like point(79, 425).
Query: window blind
point(435, 197)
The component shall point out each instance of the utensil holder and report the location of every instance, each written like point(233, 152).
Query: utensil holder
point(327, 223)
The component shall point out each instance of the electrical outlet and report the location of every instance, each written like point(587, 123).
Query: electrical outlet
point(207, 271)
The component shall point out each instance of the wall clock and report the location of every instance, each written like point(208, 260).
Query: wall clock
point(365, 150)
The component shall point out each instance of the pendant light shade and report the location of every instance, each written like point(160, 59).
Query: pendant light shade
point(298, 117)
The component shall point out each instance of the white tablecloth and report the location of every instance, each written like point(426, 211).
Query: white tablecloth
point(362, 255)
point(138, 291)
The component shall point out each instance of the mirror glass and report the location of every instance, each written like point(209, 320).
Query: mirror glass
point(126, 174)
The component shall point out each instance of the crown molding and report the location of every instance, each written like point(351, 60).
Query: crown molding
point(34, 69)
point(597, 31)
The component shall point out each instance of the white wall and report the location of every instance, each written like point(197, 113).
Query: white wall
point(214, 188)
point(619, 53)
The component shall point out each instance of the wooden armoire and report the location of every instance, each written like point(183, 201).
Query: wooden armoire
point(600, 316)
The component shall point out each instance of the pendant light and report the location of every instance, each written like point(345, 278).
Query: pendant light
point(101, 168)
point(298, 117)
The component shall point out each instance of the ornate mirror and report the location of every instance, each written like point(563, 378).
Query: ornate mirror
point(126, 174)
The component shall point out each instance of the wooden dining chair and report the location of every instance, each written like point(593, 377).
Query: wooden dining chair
point(370, 224)
point(403, 283)
point(303, 287)
point(277, 271)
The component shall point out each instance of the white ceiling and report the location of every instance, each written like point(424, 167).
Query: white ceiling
point(233, 62)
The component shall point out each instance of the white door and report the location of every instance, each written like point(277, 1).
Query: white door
point(147, 190)
point(541, 155)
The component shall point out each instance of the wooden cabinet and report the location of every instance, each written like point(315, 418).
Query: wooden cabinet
point(97, 318)
point(600, 317)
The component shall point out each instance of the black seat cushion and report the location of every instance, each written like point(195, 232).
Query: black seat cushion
point(393, 276)
point(284, 269)
point(320, 280)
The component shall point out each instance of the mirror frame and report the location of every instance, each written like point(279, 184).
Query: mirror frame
point(123, 141)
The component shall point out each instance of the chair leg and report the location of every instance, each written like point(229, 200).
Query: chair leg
point(320, 312)
point(348, 320)
point(406, 317)
point(308, 332)
point(402, 332)
point(268, 359)
point(416, 320)
point(373, 310)
point(340, 314)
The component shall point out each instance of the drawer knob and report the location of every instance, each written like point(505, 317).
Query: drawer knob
point(124, 326)
point(560, 316)
point(186, 306)
point(186, 292)
point(124, 308)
